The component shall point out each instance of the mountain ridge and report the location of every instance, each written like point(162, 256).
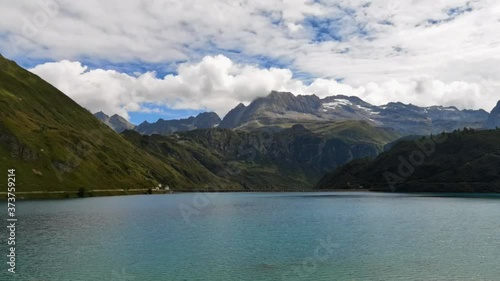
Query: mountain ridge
point(116, 122)
point(281, 107)
point(204, 120)
point(494, 118)
point(406, 118)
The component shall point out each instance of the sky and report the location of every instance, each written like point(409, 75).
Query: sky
point(150, 59)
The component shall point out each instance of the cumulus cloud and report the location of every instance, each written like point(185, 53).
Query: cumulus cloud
point(216, 83)
point(419, 51)
point(97, 90)
point(368, 41)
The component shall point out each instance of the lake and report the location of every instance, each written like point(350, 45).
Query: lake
point(259, 236)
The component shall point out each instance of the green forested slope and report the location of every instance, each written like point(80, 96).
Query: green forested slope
point(463, 161)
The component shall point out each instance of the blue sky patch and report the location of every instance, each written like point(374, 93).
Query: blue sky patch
point(452, 14)
point(167, 114)
point(324, 29)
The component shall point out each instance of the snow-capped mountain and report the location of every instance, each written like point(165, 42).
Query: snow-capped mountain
point(405, 118)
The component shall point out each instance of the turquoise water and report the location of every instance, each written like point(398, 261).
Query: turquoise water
point(259, 236)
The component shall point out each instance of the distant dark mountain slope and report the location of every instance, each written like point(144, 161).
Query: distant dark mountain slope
point(281, 107)
point(55, 144)
point(287, 157)
point(467, 161)
point(292, 158)
point(494, 118)
point(116, 122)
point(204, 120)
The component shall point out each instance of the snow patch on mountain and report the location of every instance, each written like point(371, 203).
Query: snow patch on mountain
point(337, 104)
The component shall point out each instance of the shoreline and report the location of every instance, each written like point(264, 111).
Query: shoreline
point(60, 195)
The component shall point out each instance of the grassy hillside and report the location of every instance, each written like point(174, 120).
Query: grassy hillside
point(466, 161)
point(55, 144)
point(189, 158)
point(349, 131)
point(354, 129)
point(226, 156)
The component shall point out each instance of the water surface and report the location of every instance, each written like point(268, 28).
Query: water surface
point(260, 236)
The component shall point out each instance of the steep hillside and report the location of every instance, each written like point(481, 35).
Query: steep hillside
point(54, 144)
point(467, 161)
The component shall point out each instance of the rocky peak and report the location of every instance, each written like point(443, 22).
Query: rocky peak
point(280, 102)
point(205, 120)
point(494, 118)
point(240, 106)
point(233, 117)
point(101, 116)
point(280, 95)
point(116, 122)
point(496, 110)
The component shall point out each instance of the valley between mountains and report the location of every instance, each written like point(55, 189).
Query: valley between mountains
point(280, 142)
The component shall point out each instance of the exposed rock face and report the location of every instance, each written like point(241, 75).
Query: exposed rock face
point(233, 117)
point(116, 122)
point(204, 120)
point(494, 118)
point(275, 105)
point(16, 148)
point(405, 118)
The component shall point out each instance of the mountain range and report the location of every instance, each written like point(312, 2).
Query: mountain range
point(278, 142)
point(204, 120)
point(405, 118)
point(280, 108)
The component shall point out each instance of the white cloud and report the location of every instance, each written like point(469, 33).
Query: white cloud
point(97, 90)
point(218, 84)
point(386, 47)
